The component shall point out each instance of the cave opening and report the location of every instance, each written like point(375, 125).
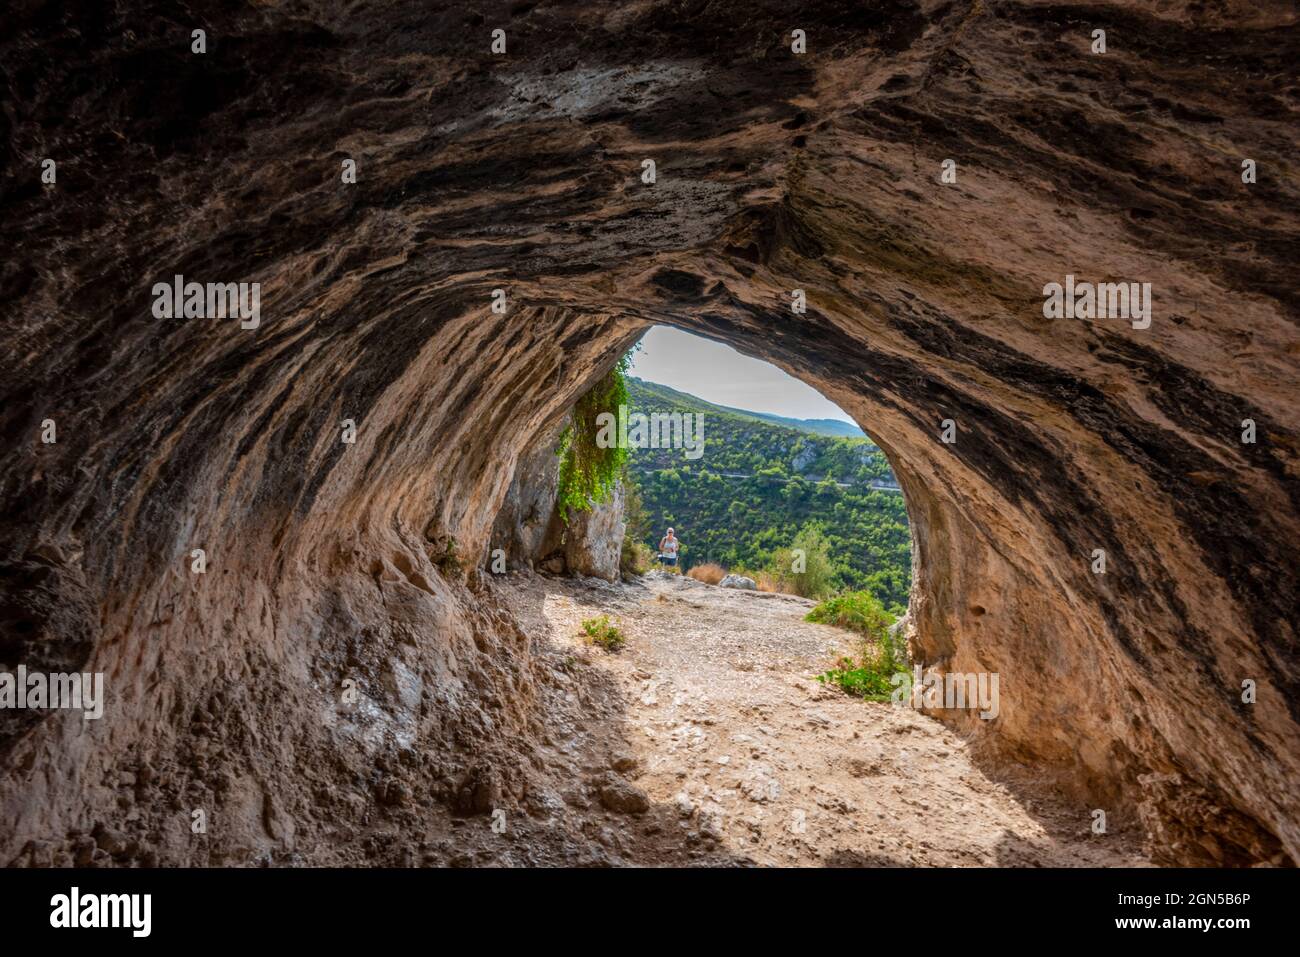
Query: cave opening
point(984, 614)
point(769, 459)
point(782, 687)
point(444, 686)
point(727, 471)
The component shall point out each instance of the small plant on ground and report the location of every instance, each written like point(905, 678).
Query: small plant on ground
point(859, 679)
point(879, 655)
point(858, 611)
point(601, 631)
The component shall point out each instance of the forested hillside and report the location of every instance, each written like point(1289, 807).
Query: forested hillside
point(757, 483)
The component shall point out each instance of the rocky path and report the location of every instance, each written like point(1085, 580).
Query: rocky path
point(705, 741)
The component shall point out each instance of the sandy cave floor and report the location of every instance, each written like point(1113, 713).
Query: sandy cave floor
point(705, 741)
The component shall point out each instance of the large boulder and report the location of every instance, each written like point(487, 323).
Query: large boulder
point(593, 539)
point(531, 531)
point(805, 457)
point(738, 581)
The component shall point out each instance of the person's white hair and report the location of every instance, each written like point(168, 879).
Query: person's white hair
point(670, 531)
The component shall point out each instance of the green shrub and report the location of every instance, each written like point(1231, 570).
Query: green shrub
point(636, 558)
point(858, 611)
point(860, 679)
point(810, 574)
point(879, 655)
point(601, 631)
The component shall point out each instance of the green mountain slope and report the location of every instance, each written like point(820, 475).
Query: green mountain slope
point(831, 427)
point(758, 482)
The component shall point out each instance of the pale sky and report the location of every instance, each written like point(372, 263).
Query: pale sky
point(720, 374)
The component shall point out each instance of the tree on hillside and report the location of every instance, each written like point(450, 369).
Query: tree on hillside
point(806, 568)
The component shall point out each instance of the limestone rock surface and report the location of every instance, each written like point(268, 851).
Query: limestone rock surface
point(329, 561)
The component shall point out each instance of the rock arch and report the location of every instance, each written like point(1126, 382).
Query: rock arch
point(775, 172)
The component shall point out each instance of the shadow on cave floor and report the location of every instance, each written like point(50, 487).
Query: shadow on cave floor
point(705, 741)
point(1068, 821)
point(571, 800)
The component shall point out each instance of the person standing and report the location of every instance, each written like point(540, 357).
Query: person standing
point(668, 546)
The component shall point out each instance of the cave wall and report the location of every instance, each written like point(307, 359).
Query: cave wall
point(526, 528)
point(522, 172)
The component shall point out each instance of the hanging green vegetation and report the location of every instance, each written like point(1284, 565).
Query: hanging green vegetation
point(589, 473)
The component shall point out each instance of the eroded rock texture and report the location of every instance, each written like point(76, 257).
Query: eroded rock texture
point(331, 562)
point(531, 531)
